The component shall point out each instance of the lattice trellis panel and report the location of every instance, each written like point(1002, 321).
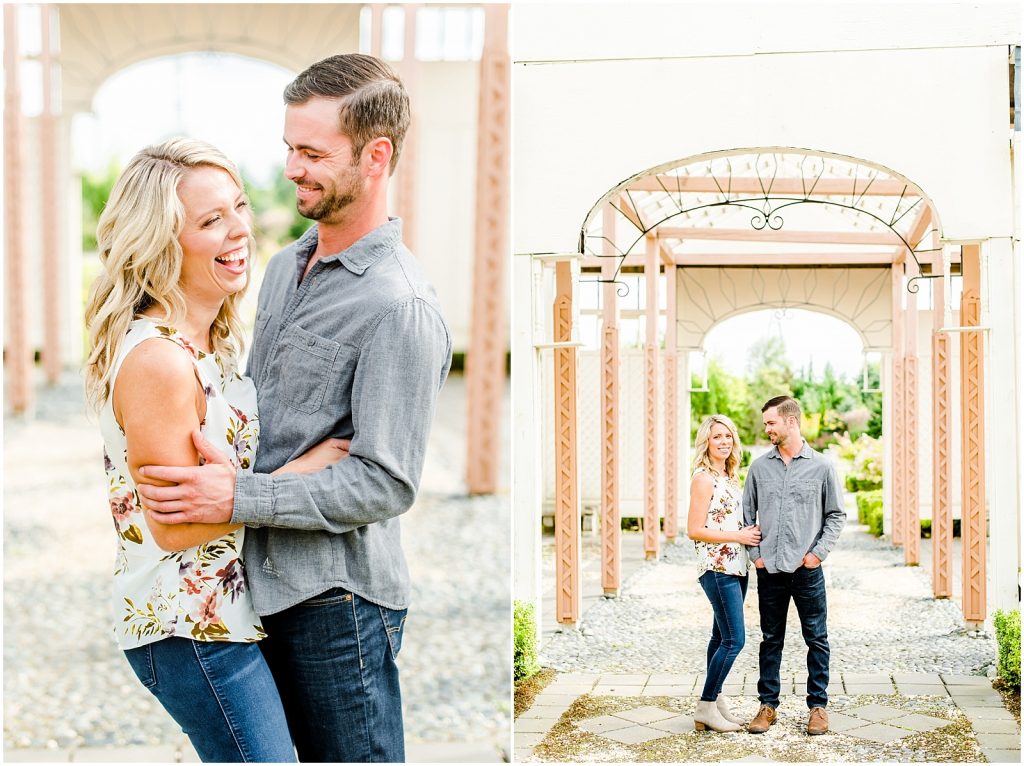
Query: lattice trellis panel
point(485, 364)
point(899, 453)
point(942, 490)
point(973, 525)
point(567, 515)
point(610, 517)
point(912, 545)
point(652, 531)
point(671, 435)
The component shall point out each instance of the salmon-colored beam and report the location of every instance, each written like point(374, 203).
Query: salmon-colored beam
point(781, 186)
point(782, 235)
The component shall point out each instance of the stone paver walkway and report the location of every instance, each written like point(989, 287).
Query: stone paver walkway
point(915, 703)
point(908, 682)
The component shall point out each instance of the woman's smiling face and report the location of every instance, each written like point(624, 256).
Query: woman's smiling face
point(215, 236)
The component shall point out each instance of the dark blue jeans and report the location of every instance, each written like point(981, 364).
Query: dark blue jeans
point(726, 593)
point(333, 658)
point(807, 589)
point(222, 695)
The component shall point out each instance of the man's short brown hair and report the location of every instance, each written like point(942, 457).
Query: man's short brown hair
point(788, 406)
point(374, 103)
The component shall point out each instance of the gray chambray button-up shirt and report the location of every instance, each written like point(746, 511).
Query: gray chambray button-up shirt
point(799, 507)
point(356, 350)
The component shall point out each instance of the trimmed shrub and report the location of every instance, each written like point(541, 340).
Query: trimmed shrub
point(524, 641)
point(926, 528)
point(1008, 637)
point(865, 502)
point(875, 523)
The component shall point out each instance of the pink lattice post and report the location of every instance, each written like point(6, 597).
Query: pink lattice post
point(18, 365)
point(912, 513)
point(567, 505)
point(897, 433)
point(52, 214)
point(652, 533)
point(611, 528)
point(485, 362)
point(973, 527)
point(407, 174)
point(942, 488)
point(671, 421)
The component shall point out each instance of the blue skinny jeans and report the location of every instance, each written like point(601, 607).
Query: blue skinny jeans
point(222, 695)
point(726, 593)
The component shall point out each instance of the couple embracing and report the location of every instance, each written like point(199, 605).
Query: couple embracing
point(785, 520)
point(260, 591)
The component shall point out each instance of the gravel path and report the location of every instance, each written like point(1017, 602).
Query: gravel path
point(881, 618)
point(65, 682)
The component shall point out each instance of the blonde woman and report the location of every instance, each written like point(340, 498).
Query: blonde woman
point(715, 524)
point(175, 243)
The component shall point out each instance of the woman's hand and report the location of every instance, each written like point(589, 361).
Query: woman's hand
point(328, 452)
point(749, 535)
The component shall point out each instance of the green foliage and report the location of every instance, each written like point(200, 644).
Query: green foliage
point(876, 520)
point(866, 503)
point(1008, 637)
point(926, 528)
point(865, 458)
point(524, 642)
point(832, 405)
point(96, 188)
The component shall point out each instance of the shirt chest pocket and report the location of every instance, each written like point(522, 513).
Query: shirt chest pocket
point(806, 491)
point(307, 361)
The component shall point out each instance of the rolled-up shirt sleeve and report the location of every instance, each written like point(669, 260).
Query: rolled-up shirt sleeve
point(834, 514)
point(401, 365)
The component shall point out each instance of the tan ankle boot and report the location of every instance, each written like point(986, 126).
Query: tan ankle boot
point(766, 716)
point(723, 707)
point(707, 717)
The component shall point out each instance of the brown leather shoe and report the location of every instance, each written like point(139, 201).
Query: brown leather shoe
point(765, 717)
point(817, 721)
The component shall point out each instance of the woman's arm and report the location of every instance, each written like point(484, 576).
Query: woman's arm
point(159, 402)
point(701, 490)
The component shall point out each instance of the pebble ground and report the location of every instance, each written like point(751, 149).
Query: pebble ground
point(881, 616)
point(67, 686)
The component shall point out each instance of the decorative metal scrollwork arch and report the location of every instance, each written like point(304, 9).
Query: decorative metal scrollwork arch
point(832, 181)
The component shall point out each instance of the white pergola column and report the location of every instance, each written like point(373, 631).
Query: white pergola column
point(1003, 456)
point(527, 436)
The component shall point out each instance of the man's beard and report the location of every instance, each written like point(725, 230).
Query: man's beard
point(345, 192)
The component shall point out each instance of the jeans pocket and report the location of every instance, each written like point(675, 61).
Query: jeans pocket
point(394, 627)
point(329, 598)
point(141, 660)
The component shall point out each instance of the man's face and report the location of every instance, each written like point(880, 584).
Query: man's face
point(327, 177)
point(775, 427)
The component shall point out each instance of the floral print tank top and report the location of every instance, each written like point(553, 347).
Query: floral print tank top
point(725, 512)
point(200, 592)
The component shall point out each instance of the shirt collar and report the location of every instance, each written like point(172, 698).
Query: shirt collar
point(805, 451)
point(361, 254)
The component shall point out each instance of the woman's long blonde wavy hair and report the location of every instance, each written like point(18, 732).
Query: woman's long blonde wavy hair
point(137, 238)
point(700, 446)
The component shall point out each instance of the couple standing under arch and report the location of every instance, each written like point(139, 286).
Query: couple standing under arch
point(785, 521)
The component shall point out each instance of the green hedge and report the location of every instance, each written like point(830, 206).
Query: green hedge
point(875, 521)
point(524, 642)
point(926, 528)
point(853, 484)
point(1008, 637)
point(866, 501)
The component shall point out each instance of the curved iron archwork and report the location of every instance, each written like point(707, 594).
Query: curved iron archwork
point(820, 179)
